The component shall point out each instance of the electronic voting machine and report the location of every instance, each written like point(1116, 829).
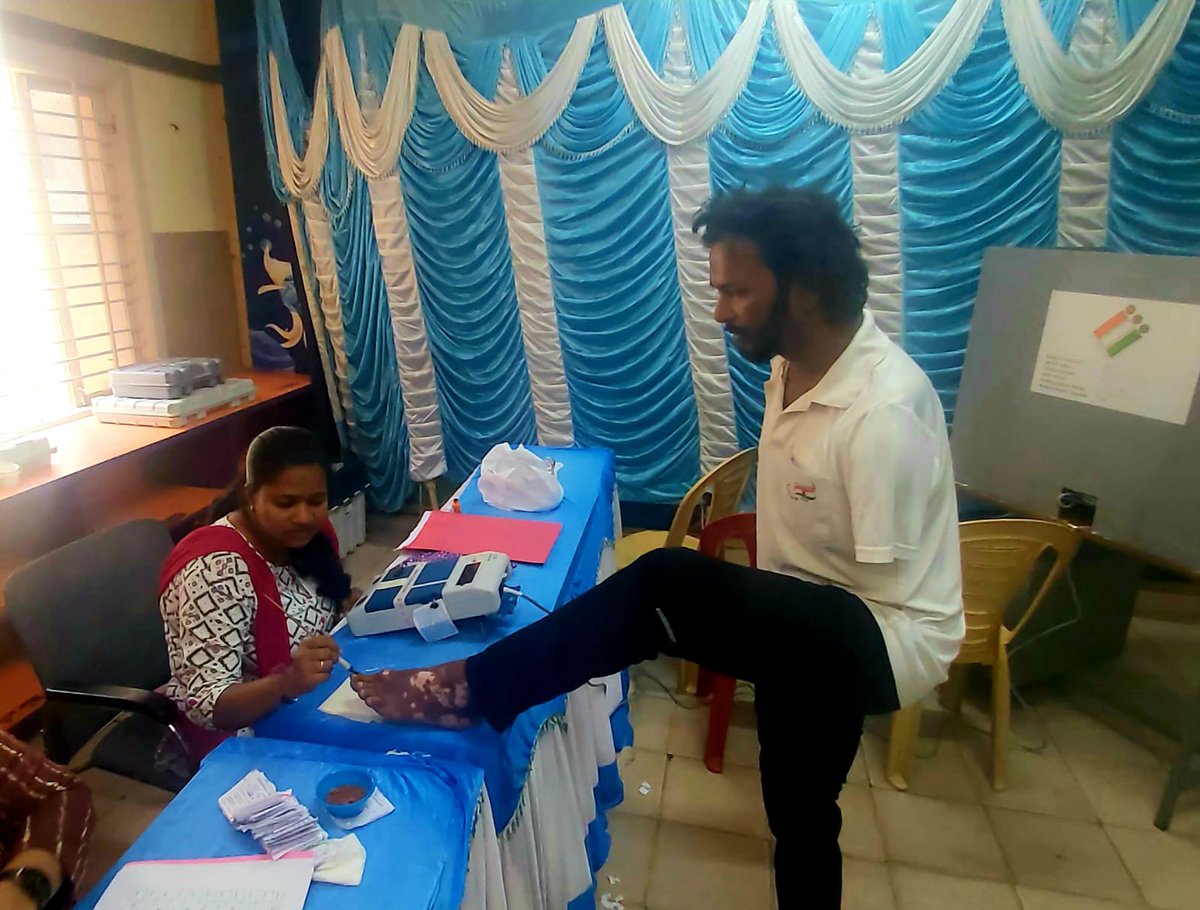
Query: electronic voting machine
point(431, 596)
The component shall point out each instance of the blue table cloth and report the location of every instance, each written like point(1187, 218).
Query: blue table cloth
point(416, 856)
point(586, 514)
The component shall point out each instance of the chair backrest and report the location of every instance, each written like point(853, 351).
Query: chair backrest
point(88, 612)
point(740, 528)
point(725, 484)
point(998, 560)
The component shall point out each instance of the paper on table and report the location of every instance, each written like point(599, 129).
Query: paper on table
point(250, 883)
point(520, 539)
point(344, 702)
point(376, 808)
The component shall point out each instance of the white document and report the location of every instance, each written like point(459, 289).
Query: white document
point(241, 883)
point(1126, 354)
point(344, 702)
point(376, 808)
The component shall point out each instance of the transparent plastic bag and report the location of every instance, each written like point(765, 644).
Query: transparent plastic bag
point(518, 480)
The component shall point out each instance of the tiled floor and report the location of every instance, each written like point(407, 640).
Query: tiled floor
point(1073, 831)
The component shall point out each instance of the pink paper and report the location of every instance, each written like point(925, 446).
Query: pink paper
point(521, 540)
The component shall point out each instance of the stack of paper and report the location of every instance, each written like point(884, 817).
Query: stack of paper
point(273, 818)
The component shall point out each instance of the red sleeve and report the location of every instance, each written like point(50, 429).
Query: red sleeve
point(42, 807)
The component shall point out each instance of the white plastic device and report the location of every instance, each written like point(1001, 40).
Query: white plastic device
point(464, 588)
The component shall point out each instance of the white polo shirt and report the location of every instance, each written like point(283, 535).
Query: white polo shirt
point(856, 489)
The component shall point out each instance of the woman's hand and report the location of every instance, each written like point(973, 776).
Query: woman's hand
point(312, 662)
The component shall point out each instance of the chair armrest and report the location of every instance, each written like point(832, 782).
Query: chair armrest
point(154, 705)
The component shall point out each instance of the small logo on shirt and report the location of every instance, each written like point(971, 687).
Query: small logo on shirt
point(805, 491)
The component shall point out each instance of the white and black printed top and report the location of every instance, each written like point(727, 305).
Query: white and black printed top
point(208, 610)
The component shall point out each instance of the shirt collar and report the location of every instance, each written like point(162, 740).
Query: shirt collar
point(844, 381)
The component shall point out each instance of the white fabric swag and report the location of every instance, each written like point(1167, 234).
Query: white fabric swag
point(1073, 97)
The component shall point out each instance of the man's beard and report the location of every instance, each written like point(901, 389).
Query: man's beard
point(760, 344)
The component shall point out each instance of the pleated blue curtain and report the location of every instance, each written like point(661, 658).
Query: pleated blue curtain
point(1154, 183)
point(978, 168)
point(774, 135)
point(464, 269)
point(605, 206)
point(380, 437)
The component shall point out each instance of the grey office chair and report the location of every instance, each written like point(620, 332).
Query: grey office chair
point(88, 617)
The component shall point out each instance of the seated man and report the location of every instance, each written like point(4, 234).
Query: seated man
point(45, 818)
point(857, 605)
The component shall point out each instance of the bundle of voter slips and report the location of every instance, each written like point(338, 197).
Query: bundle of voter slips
point(274, 818)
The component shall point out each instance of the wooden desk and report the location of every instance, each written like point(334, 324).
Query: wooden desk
point(102, 475)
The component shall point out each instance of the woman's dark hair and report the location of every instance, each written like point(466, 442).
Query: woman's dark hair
point(270, 454)
point(802, 237)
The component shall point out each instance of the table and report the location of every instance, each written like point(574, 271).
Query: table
point(551, 776)
point(418, 856)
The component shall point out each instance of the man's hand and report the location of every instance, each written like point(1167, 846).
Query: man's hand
point(312, 662)
point(11, 896)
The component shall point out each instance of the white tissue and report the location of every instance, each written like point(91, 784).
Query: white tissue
point(341, 861)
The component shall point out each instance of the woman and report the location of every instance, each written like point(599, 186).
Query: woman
point(248, 601)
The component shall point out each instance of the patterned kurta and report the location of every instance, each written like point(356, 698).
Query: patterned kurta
point(208, 609)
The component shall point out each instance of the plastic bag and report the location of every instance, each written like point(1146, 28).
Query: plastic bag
point(518, 480)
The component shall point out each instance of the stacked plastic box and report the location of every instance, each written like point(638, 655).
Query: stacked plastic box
point(169, 393)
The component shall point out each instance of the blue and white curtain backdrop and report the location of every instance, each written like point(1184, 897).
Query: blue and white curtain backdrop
point(497, 234)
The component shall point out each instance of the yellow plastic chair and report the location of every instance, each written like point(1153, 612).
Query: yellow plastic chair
point(998, 558)
point(717, 494)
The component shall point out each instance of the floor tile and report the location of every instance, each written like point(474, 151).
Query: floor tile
point(866, 886)
point(697, 868)
point(955, 838)
point(1062, 855)
point(689, 729)
point(858, 770)
point(937, 768)
point(651, 718)
point(860, 825)
point(639, 767)
point(731, 801)
point(919, 889)
point(388, 529)
point(629, 860)
point(1039, 899)
point(1078, 735)
point(366, 563)
point(1037, 781)
point(1128, 795)
point(1166, 867)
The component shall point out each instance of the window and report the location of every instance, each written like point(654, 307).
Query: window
point(64, 290)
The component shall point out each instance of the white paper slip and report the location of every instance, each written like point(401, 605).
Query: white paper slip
point(248, 883)
point(377, 807)
point(344, 702)
point(248, 796)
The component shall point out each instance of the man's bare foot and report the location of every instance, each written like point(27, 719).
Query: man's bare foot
point(435, 695)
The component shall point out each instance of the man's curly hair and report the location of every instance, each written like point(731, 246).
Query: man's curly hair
point(801, 236)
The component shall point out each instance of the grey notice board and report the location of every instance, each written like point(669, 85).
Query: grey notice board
point(1023, 448)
